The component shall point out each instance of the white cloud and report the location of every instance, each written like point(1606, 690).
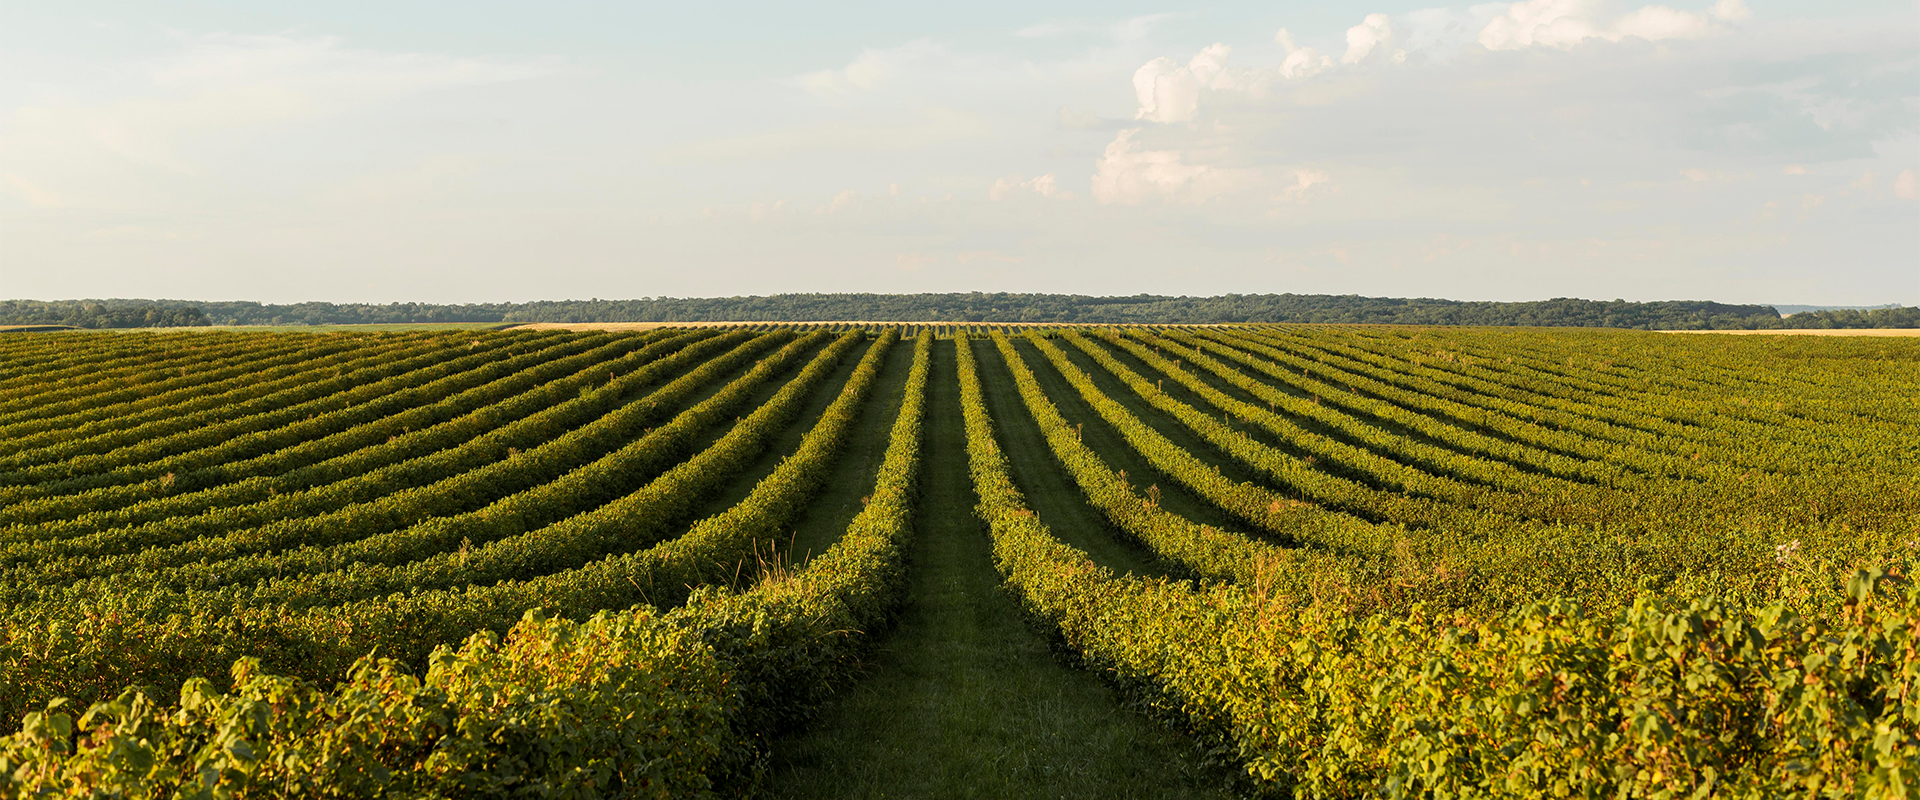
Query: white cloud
point(1655, 23)
point(1169, 92)
point(1565, 23)
point(1137, 28)
point(1459, 140)
point(1132, 29)
point(1554, 23)
point(872, 70)
point(1051, 29)
point(324, 72)
point(1376, 31)
point(1303, 179)
point(761, 212)
point(1301, 62)
point(839, 203)
point(140, 143)
point(1045, 186)
point(1730, 11)
point(1129, 175)
point(1863, 183)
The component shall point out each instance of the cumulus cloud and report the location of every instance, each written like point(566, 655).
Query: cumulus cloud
point(840, 202)
point(761, 212)
point(1170, 92)
point(1654, 23)
point(1301, 62)
point(1565, 23)
point(1730, 11)
point(1045, 185)
point(1373, 33)
point(1128, 174)
point(1906, 186)
point(1554, 23)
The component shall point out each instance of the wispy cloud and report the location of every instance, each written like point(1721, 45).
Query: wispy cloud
point(1132, 29)
point(129, 145)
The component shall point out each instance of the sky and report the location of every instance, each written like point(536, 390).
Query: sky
point(1754, 151)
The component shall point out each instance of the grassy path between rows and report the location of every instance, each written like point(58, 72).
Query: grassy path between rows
point(965, 698)
point(787, 440)
point(854, 471)
point(1050, 491)
point(1112, 447)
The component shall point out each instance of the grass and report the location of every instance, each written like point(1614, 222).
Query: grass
point(736, 488)
point(1050, 491)
point(965, 698)
point(853, 472)
point(1113, 448)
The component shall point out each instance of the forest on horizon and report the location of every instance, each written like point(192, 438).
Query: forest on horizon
point(968, 307)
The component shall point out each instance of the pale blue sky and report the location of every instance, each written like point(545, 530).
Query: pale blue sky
point(354, 151)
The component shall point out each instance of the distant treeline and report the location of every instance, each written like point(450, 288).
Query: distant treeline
point(102, 313)
point(248, 313)
point(1001, 307)
point(1893, 317)
point(972, 307)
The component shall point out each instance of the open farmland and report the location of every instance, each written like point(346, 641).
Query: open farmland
point(1325, 561)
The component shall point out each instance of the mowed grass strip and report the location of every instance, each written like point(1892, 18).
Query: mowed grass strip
point(846, 489)
point(1050, 490)
point(735, 489)
point(965, 698)
point(1114, 449)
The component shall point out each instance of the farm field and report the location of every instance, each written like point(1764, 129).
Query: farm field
point(867, 560)
point(1819, 332)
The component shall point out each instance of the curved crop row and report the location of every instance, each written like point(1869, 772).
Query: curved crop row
point(260, 407)
point(1403, 504)
point(637, 704)
point(91, 646)
point(496, 381)
point(1396, 458)
point(1196, 549)
point(155, 384)
point(1474, 423)
point(1258, 505)
point(492, 489)
point(1544, 701)
point(33, 435)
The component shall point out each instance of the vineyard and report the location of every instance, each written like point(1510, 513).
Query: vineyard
point(1323, 561)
